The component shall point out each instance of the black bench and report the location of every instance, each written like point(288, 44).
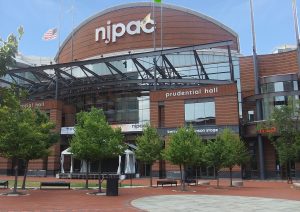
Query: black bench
point(166, 182)
point(190, 181)
point(4, 183)
point(56, 184)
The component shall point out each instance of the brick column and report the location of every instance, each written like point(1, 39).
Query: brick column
point(54, 157)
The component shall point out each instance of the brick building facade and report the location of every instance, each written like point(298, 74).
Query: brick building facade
point(197, 76)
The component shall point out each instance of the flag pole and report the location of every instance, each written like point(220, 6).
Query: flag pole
point(154, 46)
point(296, 25)
point(59, 26)
point(258, 101)
point(72, 42)
point(161, 26)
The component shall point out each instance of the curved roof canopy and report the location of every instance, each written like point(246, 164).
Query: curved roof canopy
point(84, 35)
point(183, 66)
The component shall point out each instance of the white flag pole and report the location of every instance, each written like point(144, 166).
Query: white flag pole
point(60, 26)
point(294, 5)
point(296, 21)
point(154, 46)
point(258, 101)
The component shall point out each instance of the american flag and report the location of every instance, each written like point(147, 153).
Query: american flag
point(50, 34)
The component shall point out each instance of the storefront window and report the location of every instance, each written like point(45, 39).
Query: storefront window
point(200, 112)
point(279, 86)
point(269, 102)
point(250, 115)
point(280, 100)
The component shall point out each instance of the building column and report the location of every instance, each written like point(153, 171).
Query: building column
point(54, 157)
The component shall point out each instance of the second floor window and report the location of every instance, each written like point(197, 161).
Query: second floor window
point(200, 112)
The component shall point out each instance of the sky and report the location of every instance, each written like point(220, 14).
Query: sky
point(274, 25)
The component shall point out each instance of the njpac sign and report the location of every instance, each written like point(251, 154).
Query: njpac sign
point(111, 32)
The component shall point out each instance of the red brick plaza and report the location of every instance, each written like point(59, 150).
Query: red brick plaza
point(79, 200)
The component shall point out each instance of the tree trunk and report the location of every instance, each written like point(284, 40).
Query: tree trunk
point(87, 175)
point(287, 172)
point(200, 172)
point(99, 178)
point(230, 172)
point(180, 168)
point(16, 168)
point(290, 172)
point(150, 175)
point(25, 175)
point(214, 172)
point(183, 178)
point(217, 176)
point(196, 175)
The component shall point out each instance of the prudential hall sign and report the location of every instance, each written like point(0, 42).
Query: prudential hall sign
point(111, 32)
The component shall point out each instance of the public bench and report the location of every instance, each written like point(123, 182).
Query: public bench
point(4, 183)
point(166, 182)
point(237, 183)
point(190, 181)
point(55, 184)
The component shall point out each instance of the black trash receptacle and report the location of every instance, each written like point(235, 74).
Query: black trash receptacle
point(112, 186)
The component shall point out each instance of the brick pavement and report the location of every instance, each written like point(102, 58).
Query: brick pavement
point(78, 200)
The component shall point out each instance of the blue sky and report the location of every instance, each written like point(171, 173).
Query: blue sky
point(273, 20)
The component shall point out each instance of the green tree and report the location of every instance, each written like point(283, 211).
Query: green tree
point(286, 139)
point(234, 150)
point(8, 50)
point(149, 147)
point(94, 139)
point(214, 157)
point(19, 133)
point(11, 131)
point(183, 149)
point(40, 137)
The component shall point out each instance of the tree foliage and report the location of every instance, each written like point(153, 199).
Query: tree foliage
point(214, 156)
point(234, 151)
point(149, 147)
point(41, 137)
point(24, 133)
point(226, 151)
point(183, 149)
point(8, 50)
point(95, 139)
point(286, 139)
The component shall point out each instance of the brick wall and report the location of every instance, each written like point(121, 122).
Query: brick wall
point(270, 64)
point(226, 105)
point(180, 28)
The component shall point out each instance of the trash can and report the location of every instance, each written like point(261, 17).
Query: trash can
point(112, 185)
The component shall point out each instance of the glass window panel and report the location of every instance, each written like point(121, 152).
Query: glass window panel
point(189, 112)
point(278, 86)
point(270, 88)
point(199, 111)
point(236, 71)
point(295, 83)
point(144, 115)
point(210, 109)
point(288, 86)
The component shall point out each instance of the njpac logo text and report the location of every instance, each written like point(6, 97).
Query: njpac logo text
point(110, 33)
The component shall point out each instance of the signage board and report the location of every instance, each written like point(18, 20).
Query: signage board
point(33, 104)
point(124, 128)
point(111, 32)
point(210, 131)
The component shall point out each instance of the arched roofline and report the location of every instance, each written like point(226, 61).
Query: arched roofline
point(145, 4)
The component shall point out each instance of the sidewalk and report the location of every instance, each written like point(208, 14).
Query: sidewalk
point(78, 200)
